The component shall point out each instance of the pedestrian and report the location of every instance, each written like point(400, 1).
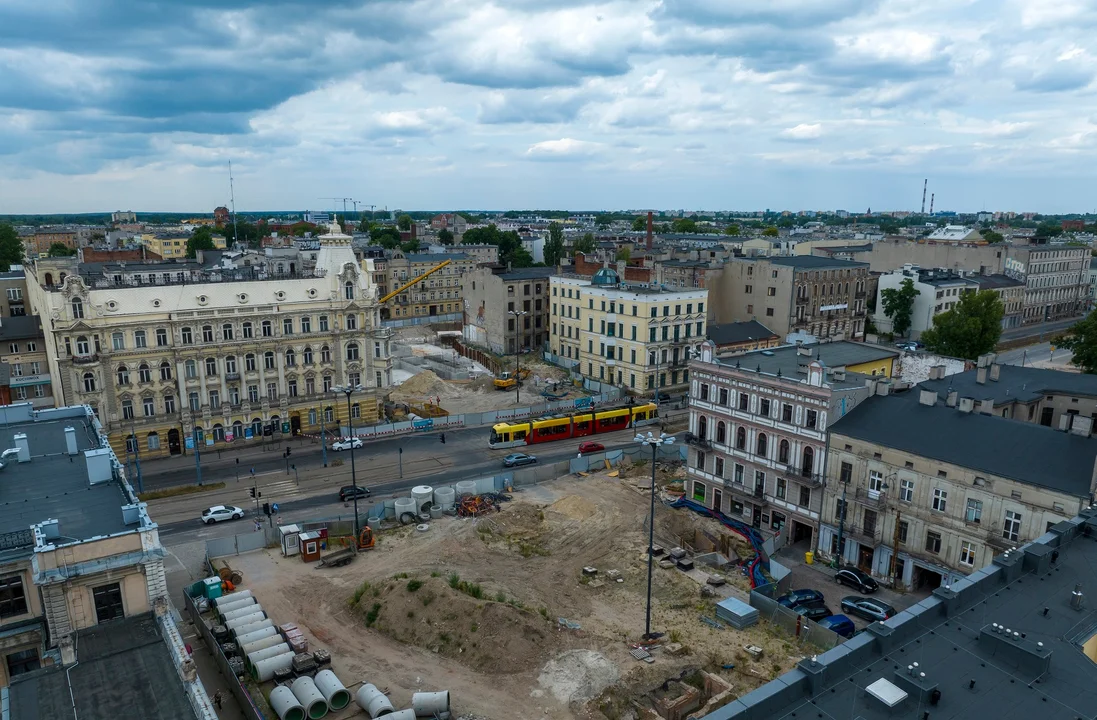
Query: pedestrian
point(258, 525)
point(279, 521)
point(218, 698)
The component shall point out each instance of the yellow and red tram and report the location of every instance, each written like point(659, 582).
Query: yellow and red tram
point(582, 423)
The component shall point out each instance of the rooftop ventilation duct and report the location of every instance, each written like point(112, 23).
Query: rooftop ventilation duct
point(1077, 599)
point(70, 441)
point(22, 447)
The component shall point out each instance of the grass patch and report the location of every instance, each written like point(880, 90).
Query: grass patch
point(371, 616)
point(400, 576)
point(427, 598)
point(454, 580)
point(544, 613)
point(435, 573)
point(177, 491)
point(414, 585)
point(500, 596)
point(358, 593)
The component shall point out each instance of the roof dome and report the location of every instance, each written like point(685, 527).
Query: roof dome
point(605, 276)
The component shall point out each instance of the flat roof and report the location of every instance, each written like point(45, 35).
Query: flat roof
point(541, 273)
point(20, 327)
point(737, 332)
point(786, 360)
point(1015, 384)
point(813, 262)
point(991, 444)
point(977, 672)
point(124, 669)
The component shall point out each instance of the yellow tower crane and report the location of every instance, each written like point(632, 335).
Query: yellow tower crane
point(404, 287)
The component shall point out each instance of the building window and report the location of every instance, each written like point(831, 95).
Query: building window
point(348, 290)
point(287, 326)
point(904, 526)
point(23, 661)
point(127, 409)
point(117, 341)
point(253, 393)
point(292, 387)
point(267, 328)
point(89, 382)
point(268, 360)
point(207, 333)
point(974, 511)
point(352, 351)
point(352, 321)
point(875, 482)
point(762, 445)
point(721, 432)
point(248, 333)
point(190, 369)
point(211, 367)
point(723, 396)
point(783, 451)
point(967, 554)
point(940, 499)
point(846, 472)
point(906, 490)
point(161, 337)
point(744, 400)
point(272, 391)
point(812, 419)
point(702, 427)
point(782, 488)
point(82, 346)
point(741, 438)
point(704, 392)
point(149, 407)
point(123, 375)
point(933, 542)
point(169, 404)
point(325, 354)
point(108, 602)
point(77, 309)
point(323, 323)
point(13, 600)
point(144, 374)
point(194, 402)
point(1011, 529)
point(699, 491)
point(165, 370)
point(291, 358)
point(700, 462)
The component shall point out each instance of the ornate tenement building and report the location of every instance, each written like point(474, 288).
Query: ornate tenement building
point(214, 354)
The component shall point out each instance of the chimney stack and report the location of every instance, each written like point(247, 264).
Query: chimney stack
point(981, 375)
point(986, 406)
point(995, 372)
point(951, 398)
point(927, 398)
point(967, 404)
point(651, 231)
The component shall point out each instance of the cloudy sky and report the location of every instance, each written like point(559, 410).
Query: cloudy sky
point(434, 104)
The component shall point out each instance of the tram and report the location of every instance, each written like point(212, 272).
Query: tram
point(579, 424)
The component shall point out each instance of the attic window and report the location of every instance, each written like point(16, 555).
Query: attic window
point(876, 456)
point(910, 465)
point(942, 473)
point(849, 448)
point(1015, 494)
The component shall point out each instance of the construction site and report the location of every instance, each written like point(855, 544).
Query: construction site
point(532, 604)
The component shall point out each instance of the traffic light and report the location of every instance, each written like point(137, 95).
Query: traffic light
point(442, 437)
point(266, 509)
point(251, 491)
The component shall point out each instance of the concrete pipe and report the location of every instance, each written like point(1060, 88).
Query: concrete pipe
point(247, 629)
point(243, 640)
point(428, 704)
point(408, 714)
point(231, 597)
point(334, 692)
point(264, 669)
point(242, 620)
point(285, 705)
point(435, 512)
point(240, 612)
point(260, 644)
point(373, 701)
point(225, 608)
point(306, 692)
point(258, 656)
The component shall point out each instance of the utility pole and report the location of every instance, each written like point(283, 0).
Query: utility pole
point(841, 525)
point(197, 455)
point(895, 548)
point(136, 457)
point(235, 237)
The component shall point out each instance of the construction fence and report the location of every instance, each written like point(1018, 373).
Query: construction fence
point(424, 320)
point(803, 631)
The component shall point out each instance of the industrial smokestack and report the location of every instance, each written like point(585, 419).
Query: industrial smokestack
point(924, 186)
point(651, 230)
point(931, 196)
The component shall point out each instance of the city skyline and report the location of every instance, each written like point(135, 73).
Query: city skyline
point(804, 104)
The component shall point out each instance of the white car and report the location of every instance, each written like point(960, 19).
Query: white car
point(347, 444)
point(217, 513)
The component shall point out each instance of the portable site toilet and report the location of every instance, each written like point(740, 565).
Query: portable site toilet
point(290, 537)
point(310, 546)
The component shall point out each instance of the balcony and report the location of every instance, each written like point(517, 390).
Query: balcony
point(866, 536)
point(802, 300)
point(859, 294)
point(803, 476)
point(232, 376)
point(85, 359)
point(870, 498)
point(696, 441)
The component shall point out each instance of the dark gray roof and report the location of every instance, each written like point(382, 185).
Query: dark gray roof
point(839, 249)
point(983, 443)
point(737, 332)
point(435, 257)
point(987, 282)
point(51, 486)
point(536, 273)
point(786, 360)
point(123, 669)
point(944, 635)
point(813, 262)
point(1015, 384)
point(13, 275)
point(20, 327)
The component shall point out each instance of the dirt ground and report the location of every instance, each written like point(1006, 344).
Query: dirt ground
point(480, 395)
point(498, 610)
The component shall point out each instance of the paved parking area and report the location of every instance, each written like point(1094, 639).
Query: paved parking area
point(821, 578)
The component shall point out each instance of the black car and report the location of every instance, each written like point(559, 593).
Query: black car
point(795, 598)
point(868, 608)
point(347, 492)
point(858, 579)
point(813, 611)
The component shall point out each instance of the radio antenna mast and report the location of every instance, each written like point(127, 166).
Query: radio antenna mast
point(232, 201)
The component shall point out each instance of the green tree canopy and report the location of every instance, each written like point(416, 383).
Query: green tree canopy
point(1081, 339)
point(771, 231)
point(242, 231)
point(732, 229)
point(584, 244)
point(404, 222)
point(200, 239)
point(509, 244)
point(410, 246)
point(1048, 230)
point(624, 254)
point(386, 237)
point(992, 236)
point(684, 225)
point(60, 249)
point(970, 329)
point(899, 305)
point(554, 246)
point(11, 247)
point(445, 236)
point(640, 223)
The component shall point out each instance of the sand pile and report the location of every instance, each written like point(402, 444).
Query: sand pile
point(425, 383)
point(578, 675)
point(574, 507)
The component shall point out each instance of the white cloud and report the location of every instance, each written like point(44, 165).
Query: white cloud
point(803, 131)
point(562, 149)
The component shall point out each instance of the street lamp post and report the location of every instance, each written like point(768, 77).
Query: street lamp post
point(137, 457)
point(517, 352)
point(348, 391)
point(653, 442)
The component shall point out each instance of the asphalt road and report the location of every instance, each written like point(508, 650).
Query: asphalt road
point(1038, 355)
point(1047, 330)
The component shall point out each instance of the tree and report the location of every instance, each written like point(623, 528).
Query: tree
point(60, 249)
point(624, 254)
point(445, 237)
point(640, 223)
point(241, 231)
point(554, 246)
point(732, 229)
point(386, 237)
point(11, 247)
point(1048, 230)
point(970, 329)
point(684, 225)
point(992, 236)
point(603, 221)
point(584, 244)
point(404, 222)
point(1081, 339)
point(410, 246)
point(771, 231)
point(200, 239)
point(899, 305)
point(509, 244)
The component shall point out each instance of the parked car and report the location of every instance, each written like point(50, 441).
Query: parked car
point(347, 492)
point(803, 596)
point(516, 459)
point(858, 579)
point(589, 447)
point(813, 611)
point(347, 444)
point(839, 624)
point(868, 608)
point(217, 513)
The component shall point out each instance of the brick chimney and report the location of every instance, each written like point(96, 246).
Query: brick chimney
point(651, 231)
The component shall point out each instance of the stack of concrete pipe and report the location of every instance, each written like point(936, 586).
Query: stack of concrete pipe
point(306, 692)
point(285, 704)
point(423, 704)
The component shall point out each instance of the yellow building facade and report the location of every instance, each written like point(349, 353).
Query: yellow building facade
point(169, 365)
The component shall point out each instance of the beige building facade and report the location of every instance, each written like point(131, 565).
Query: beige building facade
point(437, 294)
point(491, 295)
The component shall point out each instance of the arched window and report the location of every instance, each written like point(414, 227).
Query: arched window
point(207, 333)
point(153, 440)
point(809, 461)
point(230, 364)
point(237, 430)
point(348, 290)
point(188, 336)
point(248, 334)
point(306, 356)
point(127, 409)
point(131, 444)
point(741, 438)
point(123, 375)
point(89, 382)
point(211, 367)
point(268, 360)
point(721, 432)
point(352, 321)
point(226, 331)
point(49, 279)
point(325, 354)
point(762, 445)
point(352, 351)
point(82, 346)
point(218, 433)
point(702, 427)
point(77, 309)
point(782, 451)
point(190, 368)
point(291, 358)
point(143, 373)
point(249, 362)
point(268, 329)
point(329, 415)
point(257, 427)
point(165, 370)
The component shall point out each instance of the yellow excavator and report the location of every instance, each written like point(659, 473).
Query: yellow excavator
point(407, 285)
point(508, 380)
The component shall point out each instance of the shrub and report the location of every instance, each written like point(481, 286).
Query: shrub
point(454, 580)
point(371, 616)
point(359, 592)
point(414, 585)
